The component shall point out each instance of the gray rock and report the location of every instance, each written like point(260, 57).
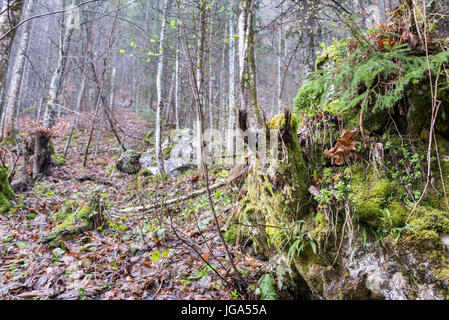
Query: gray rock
point(440, 9)
point(182, 144)
point(445, 240)
point(129, 162)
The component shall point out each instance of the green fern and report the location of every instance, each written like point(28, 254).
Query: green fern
point(372, 83)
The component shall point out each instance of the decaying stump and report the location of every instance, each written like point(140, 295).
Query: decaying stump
point(36, 149)
point(277, 195)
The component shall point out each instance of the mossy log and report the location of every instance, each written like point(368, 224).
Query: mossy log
point(75, 218)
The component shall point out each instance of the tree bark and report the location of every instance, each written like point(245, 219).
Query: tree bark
point(58, 73)
point(17, 76)
point(160, 101)
point(247, 62)
point(10, 17)
point(232, 112)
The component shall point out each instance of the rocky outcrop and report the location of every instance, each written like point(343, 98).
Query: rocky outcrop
point(347, 214)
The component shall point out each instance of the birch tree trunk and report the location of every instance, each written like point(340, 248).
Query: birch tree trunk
point(200, 75)
point(232, 112)
point(77, 109)
point(221, 81)
point(160, 102)
point(10, 17)
point(12, 96)
point(210, 97)
point(58, 72)
point(247, 62)
point(169, 106)
point(279, 75)
point(177, 81)
point(42, 95)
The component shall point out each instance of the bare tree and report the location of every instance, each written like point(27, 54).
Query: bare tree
point(9, 17)
point(160, 102)
point(58, 72)
point(17, 75)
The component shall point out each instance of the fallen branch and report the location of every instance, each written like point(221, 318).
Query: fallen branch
point(173, 201)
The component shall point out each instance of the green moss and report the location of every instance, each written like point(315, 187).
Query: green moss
point(6, 193)
point(224, 174)
point(428, 223)
point(332, 54)
point(76, 217)
point(320, 227)
point(278, 122)
point(398, 213)
point(277, 194)
point(72, 215)
point(11, 141)
point(442, 273)
point(166, 152)
point(144, 173)
point(59, 159)
point(309, 95)
point(149, 137)
point(230, 235)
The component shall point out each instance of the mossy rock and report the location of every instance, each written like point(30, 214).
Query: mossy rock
point(333, 54)
point(6, 193)
point(428, 224)
point(309, 95)
point(76, 217)
point(278, 122)
point(129, 162)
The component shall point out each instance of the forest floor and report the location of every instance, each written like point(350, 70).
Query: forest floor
point(133, 257)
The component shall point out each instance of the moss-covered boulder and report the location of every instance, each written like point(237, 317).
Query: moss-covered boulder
point(6, 193)
point(373, 226)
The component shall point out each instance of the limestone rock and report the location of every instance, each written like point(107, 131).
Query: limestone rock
point(178, 148)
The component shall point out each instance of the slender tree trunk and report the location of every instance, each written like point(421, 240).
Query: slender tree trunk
point(247, 62)
point(169, 106)
point(10, 17)
point(77, 109)
point(47, 65)
point(210, 96)
point(221, 84)
point(279, 74)
point(58, 73)
point(232, 112)
point(112, 93)
point(177, 81)
point(160, 101)
point(12, 96)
